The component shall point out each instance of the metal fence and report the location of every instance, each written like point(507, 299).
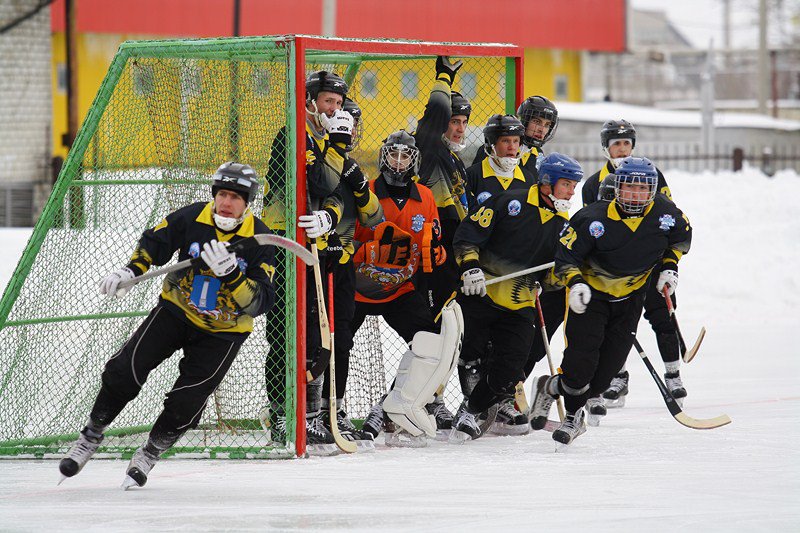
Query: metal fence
point(691, 157)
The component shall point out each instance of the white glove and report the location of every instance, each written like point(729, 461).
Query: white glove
point(341, 122)
point(668, 278)
point(218, 258)
point(316, 224)
point(474, 282)
point(110, 283)
point(579, 297)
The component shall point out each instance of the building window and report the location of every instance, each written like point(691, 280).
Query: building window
point(261, 82)
point(409, 84)
point(369, 84)
point(143, 79)
point(469, 85)
point(61, 78)
point(562, 87)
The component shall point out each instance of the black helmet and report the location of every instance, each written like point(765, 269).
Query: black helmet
point(538, 107)
point(322, 80)
point(459, 104)
point(403, 143)
point(236, 177)
point(355, 111)
point(351, 107)
point(617, 129)
point(499, 126)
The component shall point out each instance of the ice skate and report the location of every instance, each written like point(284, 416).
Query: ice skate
point(675, 386)
point(373, 424)
point(80, 453)
point(596, 410)
point(571, 428)
point(318, 437)
point(510, 421)
point(542, 402)
point(140, 466)
point(471, 426)
point(400, 438)
point(443, 416)
point(363, 439)
point(616, 393)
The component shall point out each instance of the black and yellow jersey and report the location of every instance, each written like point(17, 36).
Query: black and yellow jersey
point(195, 294)
point(509, 232)
point(364, 207)
point(441, 170)
point(323, 170)
point(590, 191)
point(483, 182)
point(616, 255)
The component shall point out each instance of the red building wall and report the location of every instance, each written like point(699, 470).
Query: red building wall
point(597, 25)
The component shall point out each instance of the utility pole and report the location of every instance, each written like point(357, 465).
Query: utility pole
point(707, 92)
point(726, 31)
point(329, 18)
point(763, 58)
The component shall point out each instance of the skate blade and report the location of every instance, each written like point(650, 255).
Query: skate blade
point(404, 439)
point(322, 450)
point(365, 446)
point(615, 404)
point(442, 435)
point(561, 447)
point(458, 437)
point(679, 401)
point(498, 428)
point(61, 479)
point(593, 420)
point(128, 483)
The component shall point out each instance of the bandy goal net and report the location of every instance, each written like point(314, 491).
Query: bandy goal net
point(166, 116)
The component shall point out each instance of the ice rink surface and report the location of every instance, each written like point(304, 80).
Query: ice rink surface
point(640, 470)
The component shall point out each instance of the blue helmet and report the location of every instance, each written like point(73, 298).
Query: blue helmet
point(555, 166)
point(636, 171)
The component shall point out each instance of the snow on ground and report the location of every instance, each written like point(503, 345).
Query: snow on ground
point(640, 469)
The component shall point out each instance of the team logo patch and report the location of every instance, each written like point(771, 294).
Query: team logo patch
point(482, 197)
point(194, 249)
point(596, 229)
point(242, 264)
point(666, 222)
point(514, 207)
point(416, 223)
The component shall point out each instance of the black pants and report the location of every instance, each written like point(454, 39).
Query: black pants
point(407, 314)
point(206, 360)
point(344, 307)
point(554, 305)
point(510, 333)
point(656, 312)
point(598, 342)
point(444, 280)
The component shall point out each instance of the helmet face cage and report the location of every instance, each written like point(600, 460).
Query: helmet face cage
point(538, 107)
point(635, 171)
point(399, 157)
point(236, 177)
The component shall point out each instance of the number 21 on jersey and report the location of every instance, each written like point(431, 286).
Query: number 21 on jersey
point(568, 237)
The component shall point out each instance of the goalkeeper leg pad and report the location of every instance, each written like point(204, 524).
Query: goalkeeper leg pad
point(428, 364)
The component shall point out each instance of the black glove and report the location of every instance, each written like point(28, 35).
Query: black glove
point(333, 251)
point(446, 70)
point(352, 176)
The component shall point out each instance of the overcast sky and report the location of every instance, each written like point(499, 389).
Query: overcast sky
point(701, 20)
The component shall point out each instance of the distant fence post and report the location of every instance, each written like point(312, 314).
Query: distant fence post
point(738, 159)
point(767, 166)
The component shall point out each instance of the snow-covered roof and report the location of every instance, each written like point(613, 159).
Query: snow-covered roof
point(649, 116)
